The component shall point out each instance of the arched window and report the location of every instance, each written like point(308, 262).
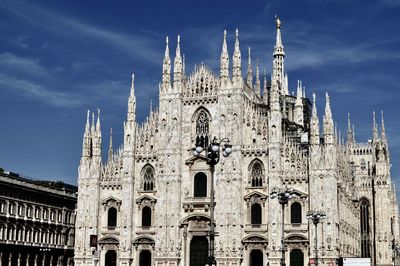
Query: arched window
point(148, 178)
point(202, 129)
point(296, 257)
point(112, 217)
point(200, 185)
point(364, 221)
point(146, 216)
point(256, 218)
point(256, 174)
point(295, 213)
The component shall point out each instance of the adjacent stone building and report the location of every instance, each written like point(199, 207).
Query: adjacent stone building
point(37, 221)
point(149, 203)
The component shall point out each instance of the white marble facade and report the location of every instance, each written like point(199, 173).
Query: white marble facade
point(149, 202)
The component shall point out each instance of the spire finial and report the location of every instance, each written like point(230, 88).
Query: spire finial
point(278, 71)
point(224, 60)
point(249, 70)
point(278, 22)
point(314, 127)
point(383, 134)
point(237, 60)
point(374, 128)
point(133, 86)
point(110, 147)
point(87, 127)
point(166, 71)
point(178, 63)
point(93, 125)
point(314, 105)
point(178, 48)
point(258, 83)
point(98, 120)
point(349, 130)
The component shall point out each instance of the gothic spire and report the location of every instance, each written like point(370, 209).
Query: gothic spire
point(249, 71)
point(279, 54)
point(258, 83)
point(383, 133)
point(178, 62)
point(87, 127)
point(183, 65)
point(98, 121)
point(237, 60)
point(314, 127)
point(299, 93)
point(349, 131)
point(265, 92)
point(92, 127)
point(110, 147)
point(86, 147)
point(132, 101)
point(328, 122)
point(224, 61)
point(354, 135)
point(166, 73)
point(374, 129)
point(299, 112)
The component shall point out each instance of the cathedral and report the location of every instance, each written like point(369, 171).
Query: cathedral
point(156, 199)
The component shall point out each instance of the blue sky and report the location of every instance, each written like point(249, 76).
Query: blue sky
point(60, 58)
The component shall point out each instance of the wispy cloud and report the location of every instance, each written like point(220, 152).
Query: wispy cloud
point(15, 63)
point(29, 89)
point(135, 45)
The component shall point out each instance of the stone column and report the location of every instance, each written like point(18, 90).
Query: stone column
point(10, 259)
point(19, 259)
point(28, 256)
point(44, 259)
point(36, 260)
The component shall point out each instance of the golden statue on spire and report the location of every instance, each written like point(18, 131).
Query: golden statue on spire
point(278, 22)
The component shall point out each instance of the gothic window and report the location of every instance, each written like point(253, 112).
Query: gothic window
point(256, 218)
point(296, 257)
point(112, 217)
point(364, 221)
point(295, 213)
point(148, 178)
point(146, 216)
point(256, 174)
point(200, 185)
point(202, 129)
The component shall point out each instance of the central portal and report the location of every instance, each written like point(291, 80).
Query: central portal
point(198, 251)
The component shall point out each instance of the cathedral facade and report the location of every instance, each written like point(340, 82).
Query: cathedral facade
point(149, 202)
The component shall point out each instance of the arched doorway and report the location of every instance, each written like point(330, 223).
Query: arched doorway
point(296, 257)
point(256, 258)
point(145, 258)
point(198, 251)
point(111, 258)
